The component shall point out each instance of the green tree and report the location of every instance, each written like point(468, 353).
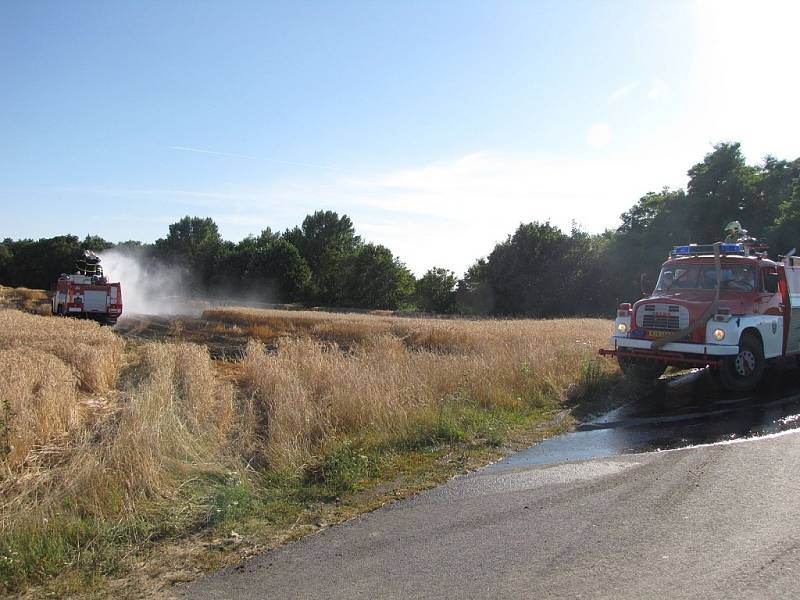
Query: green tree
point(230, 262)
point(278, 273)
point(193, 243)
point(722, 188)
point(326, 241)
point(230, 274)
point(474, 295)
point(37, 264)
point(376, 279)
point(436, 291)
point(588, 285)
point(95, 243)
point(133, 244)
point(779, 185)
point(6, 259)
point(773, 187)
point(266, 237)
point(656, 223)
point(785, 233)
point(526, 272)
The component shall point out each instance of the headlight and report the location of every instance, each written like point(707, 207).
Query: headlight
point(622, 328)
point(719, 335)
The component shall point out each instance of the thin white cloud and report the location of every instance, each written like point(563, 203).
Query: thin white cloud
point(658, 90)
point(192, 197)
point(622, 92)
point(450, 213)
point(248, 157)
point(447, 213)
point(599, 135)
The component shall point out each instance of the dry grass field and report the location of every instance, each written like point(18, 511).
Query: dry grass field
point(336, 374)
point(33, 301)
point(109, 444)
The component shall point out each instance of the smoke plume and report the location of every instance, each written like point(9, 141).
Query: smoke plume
point(147, 288)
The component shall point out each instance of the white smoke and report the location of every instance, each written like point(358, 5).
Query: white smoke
point(147, 289)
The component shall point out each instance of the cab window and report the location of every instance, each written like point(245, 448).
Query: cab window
point(769, 280)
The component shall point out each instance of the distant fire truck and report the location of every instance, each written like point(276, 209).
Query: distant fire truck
point(87, 293)
point(724, 305)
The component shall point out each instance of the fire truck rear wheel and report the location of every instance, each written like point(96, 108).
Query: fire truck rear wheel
point(744, 371)
point(641, 370)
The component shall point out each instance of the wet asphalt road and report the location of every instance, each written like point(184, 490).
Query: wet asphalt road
point(604, 512)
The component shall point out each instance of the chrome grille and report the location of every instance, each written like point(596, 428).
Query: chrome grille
point(662, 317)
point(667, 323)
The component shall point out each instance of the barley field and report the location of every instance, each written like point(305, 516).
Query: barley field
point(33, 301)
point(108, 444)
point(331, 374)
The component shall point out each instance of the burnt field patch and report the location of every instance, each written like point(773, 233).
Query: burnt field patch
point(224, 342)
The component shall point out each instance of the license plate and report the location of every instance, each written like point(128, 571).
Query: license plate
point(658, 334)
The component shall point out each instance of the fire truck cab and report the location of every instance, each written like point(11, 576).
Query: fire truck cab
point(722, 306)
point(87, 293)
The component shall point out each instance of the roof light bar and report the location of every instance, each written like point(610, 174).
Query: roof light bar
point(731, 248)
point(695, 249)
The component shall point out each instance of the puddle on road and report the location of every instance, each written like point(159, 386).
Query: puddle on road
point(684, 411)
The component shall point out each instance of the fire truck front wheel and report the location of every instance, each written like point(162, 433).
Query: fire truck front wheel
point(641, 370)
point(744, 371)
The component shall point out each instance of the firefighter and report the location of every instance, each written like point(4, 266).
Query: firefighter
point(735, 232)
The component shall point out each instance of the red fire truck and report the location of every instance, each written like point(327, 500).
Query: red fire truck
point(87, 293)
point(725, 305)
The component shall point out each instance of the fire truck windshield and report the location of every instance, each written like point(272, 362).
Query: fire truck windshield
point(701, 277)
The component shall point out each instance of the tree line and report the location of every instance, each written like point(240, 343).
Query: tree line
point(538, 271)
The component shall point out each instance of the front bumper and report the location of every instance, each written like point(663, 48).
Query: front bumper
point(674, 352)
point(682, 347)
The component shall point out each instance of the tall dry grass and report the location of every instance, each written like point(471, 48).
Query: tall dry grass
point(335, 374)
point(68, 429)
point(170, 426)
point(93, 352)
point(38, 401)
point(79, 444)
point(103, 454)
point(83, 476)
point(29, 300)
point(438, 335)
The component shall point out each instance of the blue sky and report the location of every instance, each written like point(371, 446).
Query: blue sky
point(437, 126)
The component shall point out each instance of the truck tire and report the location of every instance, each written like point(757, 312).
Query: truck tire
point(743, 372)
point(640, 370)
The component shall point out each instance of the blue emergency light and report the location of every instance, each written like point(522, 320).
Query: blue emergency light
point(695, 249)
point(731, 248)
